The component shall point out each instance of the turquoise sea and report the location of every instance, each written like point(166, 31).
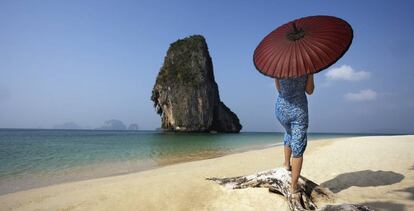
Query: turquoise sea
point(34, 158)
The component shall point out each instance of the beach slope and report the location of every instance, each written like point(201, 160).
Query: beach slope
point(377, 171)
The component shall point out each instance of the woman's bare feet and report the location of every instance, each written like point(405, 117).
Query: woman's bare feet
point(295, 194)
point(288, 167)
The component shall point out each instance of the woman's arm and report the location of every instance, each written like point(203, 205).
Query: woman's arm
point(277, 84)
point(310, 86)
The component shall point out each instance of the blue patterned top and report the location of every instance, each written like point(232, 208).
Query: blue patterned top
point(291, 88)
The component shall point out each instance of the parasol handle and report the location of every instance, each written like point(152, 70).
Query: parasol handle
point(295, 29)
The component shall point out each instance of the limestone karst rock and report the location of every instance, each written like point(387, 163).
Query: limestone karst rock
point(186, 95)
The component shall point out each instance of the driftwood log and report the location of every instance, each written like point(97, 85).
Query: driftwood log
point(278, 181)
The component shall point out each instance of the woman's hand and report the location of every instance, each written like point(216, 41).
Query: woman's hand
point(277, 84)
point(310, 86)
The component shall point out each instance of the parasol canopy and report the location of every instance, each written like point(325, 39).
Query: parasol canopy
point(303, 46)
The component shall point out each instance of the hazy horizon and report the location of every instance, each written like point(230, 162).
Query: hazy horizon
point(87, 62)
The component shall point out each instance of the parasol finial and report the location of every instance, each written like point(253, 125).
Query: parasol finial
point(296, 34)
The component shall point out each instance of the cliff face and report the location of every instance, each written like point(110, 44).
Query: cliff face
point(185, 94)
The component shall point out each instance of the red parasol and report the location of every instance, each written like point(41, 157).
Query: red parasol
point(303, 46)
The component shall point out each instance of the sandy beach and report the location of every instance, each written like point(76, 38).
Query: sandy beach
point(377, 171)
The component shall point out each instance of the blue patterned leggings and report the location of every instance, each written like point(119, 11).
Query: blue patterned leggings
point(293, 115)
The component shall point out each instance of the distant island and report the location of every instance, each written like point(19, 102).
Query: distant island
point(68, 126)
point(133, 127)
point(114, 124)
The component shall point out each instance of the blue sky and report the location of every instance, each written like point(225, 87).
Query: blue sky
point(90, 61)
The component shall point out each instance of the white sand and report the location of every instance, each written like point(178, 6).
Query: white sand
point(377, 171)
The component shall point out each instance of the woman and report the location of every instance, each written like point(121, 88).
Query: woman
point(292, 113)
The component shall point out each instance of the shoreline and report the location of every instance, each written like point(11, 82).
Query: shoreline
point(102, 167)
point(152, 189)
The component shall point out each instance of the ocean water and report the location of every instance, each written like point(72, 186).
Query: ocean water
point(35, 158)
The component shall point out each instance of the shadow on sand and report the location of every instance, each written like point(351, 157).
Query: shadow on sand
point(366, 178)
point(370, 178)
point(385, 206)
point(409, 190)
point(389, 205)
